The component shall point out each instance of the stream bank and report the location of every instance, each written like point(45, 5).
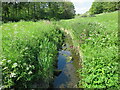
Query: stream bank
point(68, 63)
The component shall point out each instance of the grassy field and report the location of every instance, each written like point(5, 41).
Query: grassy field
point(29, 53)
point(98, 41)
point(30, 50)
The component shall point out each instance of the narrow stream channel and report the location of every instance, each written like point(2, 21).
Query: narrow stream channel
point(68, 62)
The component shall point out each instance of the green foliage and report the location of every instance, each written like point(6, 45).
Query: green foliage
point(97, 37)
point(100, 7)
point(37, 10)
point(29, 53)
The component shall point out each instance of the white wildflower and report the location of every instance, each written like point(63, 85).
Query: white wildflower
point(26, 48)
point(30, 72)
point(12, 75)
point(27, 68)
point(1, 63)
point(14, 65)
point(9, 61)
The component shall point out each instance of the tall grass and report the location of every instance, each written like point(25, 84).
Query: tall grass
point(29, 53)
point(98, 40)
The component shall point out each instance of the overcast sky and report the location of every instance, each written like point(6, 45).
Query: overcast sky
point(81, 6)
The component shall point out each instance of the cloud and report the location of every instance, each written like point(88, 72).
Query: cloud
point(81, 6)
point(81, 1)
point(82, 10)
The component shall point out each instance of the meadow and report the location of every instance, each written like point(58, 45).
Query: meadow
point(30, 50)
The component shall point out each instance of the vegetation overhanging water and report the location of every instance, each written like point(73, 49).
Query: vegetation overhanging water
point(30, 48)
point(68, 62)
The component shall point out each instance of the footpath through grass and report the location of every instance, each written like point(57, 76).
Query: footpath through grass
point(29, 53)
point(98, 41)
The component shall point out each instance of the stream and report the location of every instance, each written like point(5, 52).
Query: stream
point(68, 62)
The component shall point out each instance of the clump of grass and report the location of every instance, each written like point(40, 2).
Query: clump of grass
point(97, 37)
point(29, 51)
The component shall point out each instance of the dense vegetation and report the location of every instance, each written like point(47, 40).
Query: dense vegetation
point(98, 41)
point(14, 11)
point(100, 7)
point(30, 48)
point(29, 53)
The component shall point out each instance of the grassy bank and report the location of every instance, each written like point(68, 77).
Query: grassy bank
point(29, 53)
point(30, 50)
point(98, 41)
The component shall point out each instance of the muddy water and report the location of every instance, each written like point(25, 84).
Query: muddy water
point(68, 62)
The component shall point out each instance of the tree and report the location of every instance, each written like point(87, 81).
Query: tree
point(15, 11)
point(100, 7)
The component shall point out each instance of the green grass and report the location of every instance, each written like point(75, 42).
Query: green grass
point(29, 53)
point(30, 50)
point(98, 41)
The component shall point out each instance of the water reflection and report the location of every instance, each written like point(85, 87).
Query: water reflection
point(68, 78)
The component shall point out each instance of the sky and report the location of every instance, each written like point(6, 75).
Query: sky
point(81, 6)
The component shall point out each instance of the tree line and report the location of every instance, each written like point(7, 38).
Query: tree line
point(101, 7)
point(13, 11)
